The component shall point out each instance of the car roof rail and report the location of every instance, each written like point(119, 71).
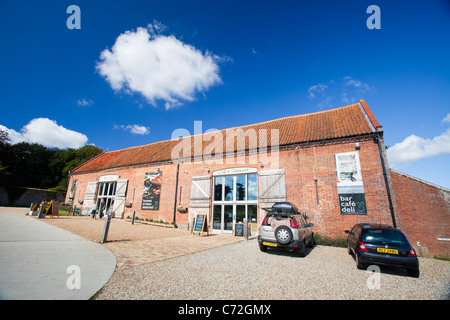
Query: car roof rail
point(376, 225)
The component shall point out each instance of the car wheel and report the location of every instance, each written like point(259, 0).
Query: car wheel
point(311, 243)
point(263, 248)
point(349, 250)
point(283, 235)
point(302, 250)
point(414, 273)
point(359, 264)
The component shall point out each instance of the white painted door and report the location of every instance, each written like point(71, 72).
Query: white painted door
point(120, 198)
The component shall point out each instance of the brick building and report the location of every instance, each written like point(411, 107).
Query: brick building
point(423, 213)
point(329, 164)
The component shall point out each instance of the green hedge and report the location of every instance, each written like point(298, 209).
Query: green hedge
point(331, 242)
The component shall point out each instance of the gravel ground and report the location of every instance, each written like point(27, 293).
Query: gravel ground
point(241, 271)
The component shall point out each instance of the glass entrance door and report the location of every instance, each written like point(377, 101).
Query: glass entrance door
point(223, 218)
point(234, 201)
point(105, 197)
point(228, 218)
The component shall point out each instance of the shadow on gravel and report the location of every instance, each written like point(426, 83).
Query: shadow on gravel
point(121, 240)
point(285, 252)
point(402, 272)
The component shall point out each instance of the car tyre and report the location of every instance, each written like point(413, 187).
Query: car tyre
point(414, 273)
point(283, 235)
point(301, 251)
point(349, 250)
point(311, 243)
point(359, 264)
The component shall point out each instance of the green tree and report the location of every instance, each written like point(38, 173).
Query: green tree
point(5, 143)
point(28, 165)
point(33, 165)
point(69, 159)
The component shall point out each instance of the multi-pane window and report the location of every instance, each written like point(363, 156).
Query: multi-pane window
point(347, 167)
point(235, 188)
point(105, 196)
point(235, 199)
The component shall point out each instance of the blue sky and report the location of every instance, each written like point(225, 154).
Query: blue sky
point(255, 60)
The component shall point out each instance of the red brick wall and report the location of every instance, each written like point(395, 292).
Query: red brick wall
point(299, 164)
point(423, 211)
point(326, 216)
point(135, 177)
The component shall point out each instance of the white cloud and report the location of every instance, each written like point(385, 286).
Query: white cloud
point(14, 136)
point(447, 118)
point(318, 92)
point(349, 89)
point(158, 67)
point(48, 133)
point(157, 27)
point(354, 90)
point(316, 89)
point(85, 102)
point(364, 87)
point(134, 129)
point(414, 148)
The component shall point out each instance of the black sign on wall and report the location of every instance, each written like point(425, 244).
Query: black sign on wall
point(352, 203)
point(352, 200)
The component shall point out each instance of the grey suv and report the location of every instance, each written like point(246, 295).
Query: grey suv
point(284, 227)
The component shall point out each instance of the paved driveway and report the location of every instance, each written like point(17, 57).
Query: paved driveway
point(40, 261)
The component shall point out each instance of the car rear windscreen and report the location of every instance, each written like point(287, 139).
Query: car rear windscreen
point(384, 236)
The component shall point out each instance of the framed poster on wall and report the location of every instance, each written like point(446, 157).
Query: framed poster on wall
point(152, 190)
point(73, 188)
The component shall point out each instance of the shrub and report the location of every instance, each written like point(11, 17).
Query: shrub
point(442, 257)
point(331, 242)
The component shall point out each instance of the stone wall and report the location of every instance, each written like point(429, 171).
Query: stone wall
point(23, 197)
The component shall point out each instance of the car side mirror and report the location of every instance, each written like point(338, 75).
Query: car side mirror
point(349, 232)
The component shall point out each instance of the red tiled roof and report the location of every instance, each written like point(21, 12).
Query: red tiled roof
point(369, 113)
point(347, 121)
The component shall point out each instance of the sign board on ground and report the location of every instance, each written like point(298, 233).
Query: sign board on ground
point(238, 229)
point(201, 224)
point(53, 209)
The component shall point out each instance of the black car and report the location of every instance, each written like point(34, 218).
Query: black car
point(381, 245)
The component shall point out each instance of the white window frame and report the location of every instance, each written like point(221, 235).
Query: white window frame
point(109, 198)
point(357, 176)
point(246, 202)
